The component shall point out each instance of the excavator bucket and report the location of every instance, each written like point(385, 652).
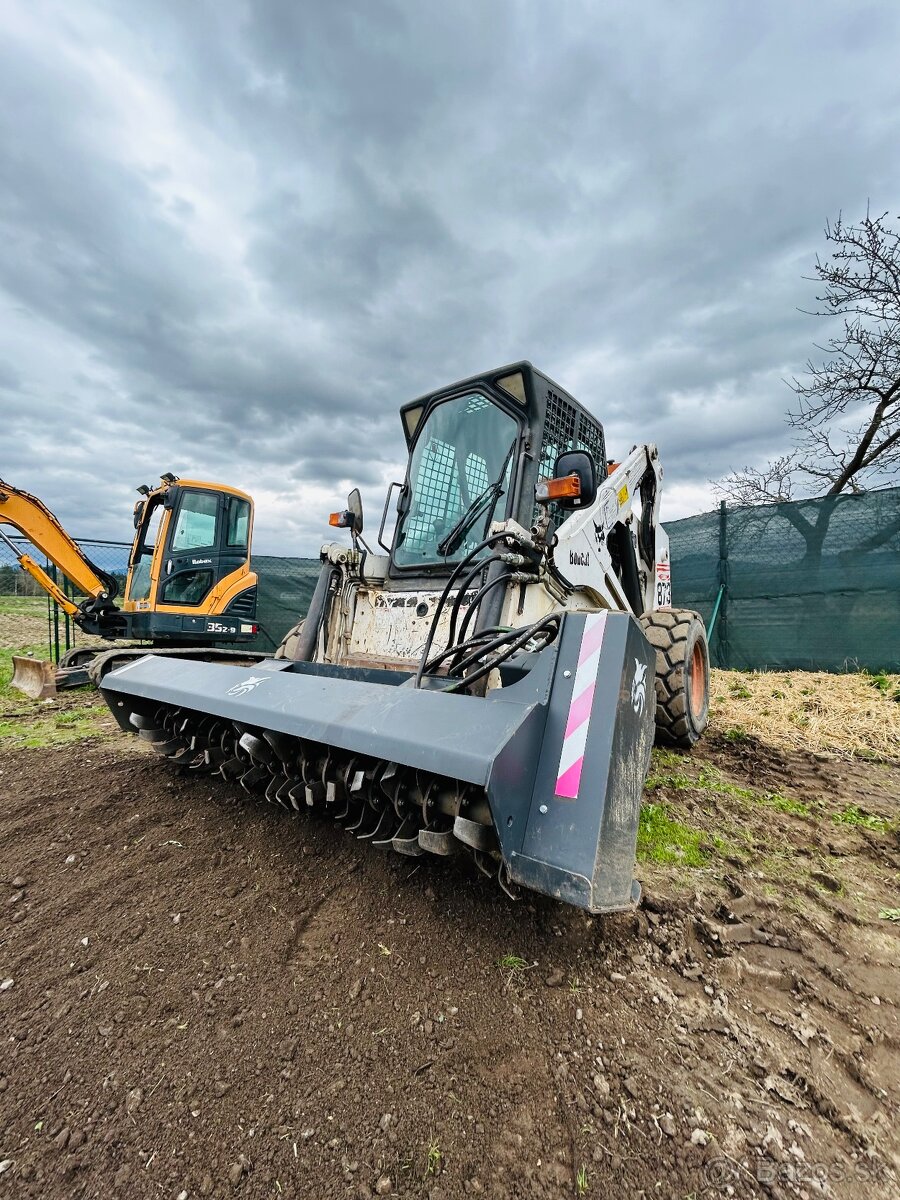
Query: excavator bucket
point(539, 780)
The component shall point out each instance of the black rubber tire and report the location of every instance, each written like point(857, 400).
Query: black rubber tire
point(289, 643)
point(682, 675)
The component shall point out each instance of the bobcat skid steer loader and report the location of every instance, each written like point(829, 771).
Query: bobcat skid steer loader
point(490, 682)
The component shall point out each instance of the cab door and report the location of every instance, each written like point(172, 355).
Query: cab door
point(191, 564)
point(207, 541)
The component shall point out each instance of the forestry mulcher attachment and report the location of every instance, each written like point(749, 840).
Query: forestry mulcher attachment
point(485, 685)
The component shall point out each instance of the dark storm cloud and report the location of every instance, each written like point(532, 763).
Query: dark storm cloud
point(235, 237)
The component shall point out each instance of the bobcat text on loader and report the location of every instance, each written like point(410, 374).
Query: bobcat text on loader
point(487, 685)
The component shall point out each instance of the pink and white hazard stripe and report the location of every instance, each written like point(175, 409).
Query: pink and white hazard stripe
point(571, 759)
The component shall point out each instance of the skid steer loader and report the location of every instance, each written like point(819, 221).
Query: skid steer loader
point(490, 682)
point(188, 582)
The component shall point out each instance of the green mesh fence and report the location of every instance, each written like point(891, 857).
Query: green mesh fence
point(30, 621)
point(286, 586)
point(810, 585)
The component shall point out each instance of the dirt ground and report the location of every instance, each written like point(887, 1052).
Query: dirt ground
point(200, 996)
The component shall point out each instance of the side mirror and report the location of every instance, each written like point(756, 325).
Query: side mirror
point(354, 506)
point(352, 516)
point(574, 482)
point(580, 463)
point(138, 511)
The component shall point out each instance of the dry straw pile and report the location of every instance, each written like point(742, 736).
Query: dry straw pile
point(844, 715)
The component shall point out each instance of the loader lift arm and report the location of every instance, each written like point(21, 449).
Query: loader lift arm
point(615, 548)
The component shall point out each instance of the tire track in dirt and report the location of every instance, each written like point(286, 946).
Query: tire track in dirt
point(265, 1004)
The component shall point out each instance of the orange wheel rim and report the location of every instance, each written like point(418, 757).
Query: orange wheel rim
point(698, 680)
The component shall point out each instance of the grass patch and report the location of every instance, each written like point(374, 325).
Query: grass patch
point(784, 804)
point(675, 782)
point(885, 684)
point(512, 962)
point(433, 1158)
point(663, 840)
point(736, 735)
point(852, 814)
point(29, 724)
point(711, 779)
point(49, 728)
point(29, 606)
point(854, 714)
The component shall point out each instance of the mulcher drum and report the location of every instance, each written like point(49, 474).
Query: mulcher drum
point(539, 780)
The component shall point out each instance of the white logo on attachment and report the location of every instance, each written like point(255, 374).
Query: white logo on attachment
point(639, 687)
point(241, 689)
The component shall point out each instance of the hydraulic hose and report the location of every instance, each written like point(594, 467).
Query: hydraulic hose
point(458, 570)
point(511, 646)
point(461, 593)
point(318, 606)
point(500, 577)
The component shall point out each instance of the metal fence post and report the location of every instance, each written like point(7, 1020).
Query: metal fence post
point(69, 589)
point(54, 576)
point(722, 643)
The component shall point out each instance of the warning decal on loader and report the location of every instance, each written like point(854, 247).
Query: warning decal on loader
point(663, 584)
point(571, 759)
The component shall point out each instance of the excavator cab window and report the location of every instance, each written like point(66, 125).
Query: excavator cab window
point(238, 534)
point(187, 587)
point(459, 475)
point(195, 524)
point(196, 530)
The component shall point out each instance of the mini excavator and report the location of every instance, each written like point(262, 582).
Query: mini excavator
point(188, 580)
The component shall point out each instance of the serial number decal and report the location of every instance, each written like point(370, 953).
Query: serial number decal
point(663, 584)
point(218, 627)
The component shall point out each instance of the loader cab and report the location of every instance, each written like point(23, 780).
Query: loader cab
point(476, 451)
point(192, 538)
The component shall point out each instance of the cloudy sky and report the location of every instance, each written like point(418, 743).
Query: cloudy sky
point(235, 236)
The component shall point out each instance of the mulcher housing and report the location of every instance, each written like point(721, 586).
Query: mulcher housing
point(509, 746)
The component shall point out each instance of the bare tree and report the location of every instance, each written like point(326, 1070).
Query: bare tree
point(846, 415)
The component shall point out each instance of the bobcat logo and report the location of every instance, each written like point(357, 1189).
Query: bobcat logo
point(639, 687)
point(242, 689)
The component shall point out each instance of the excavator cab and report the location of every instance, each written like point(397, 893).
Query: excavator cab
point(189, 569)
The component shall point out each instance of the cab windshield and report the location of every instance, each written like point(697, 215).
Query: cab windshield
point(465, 448)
